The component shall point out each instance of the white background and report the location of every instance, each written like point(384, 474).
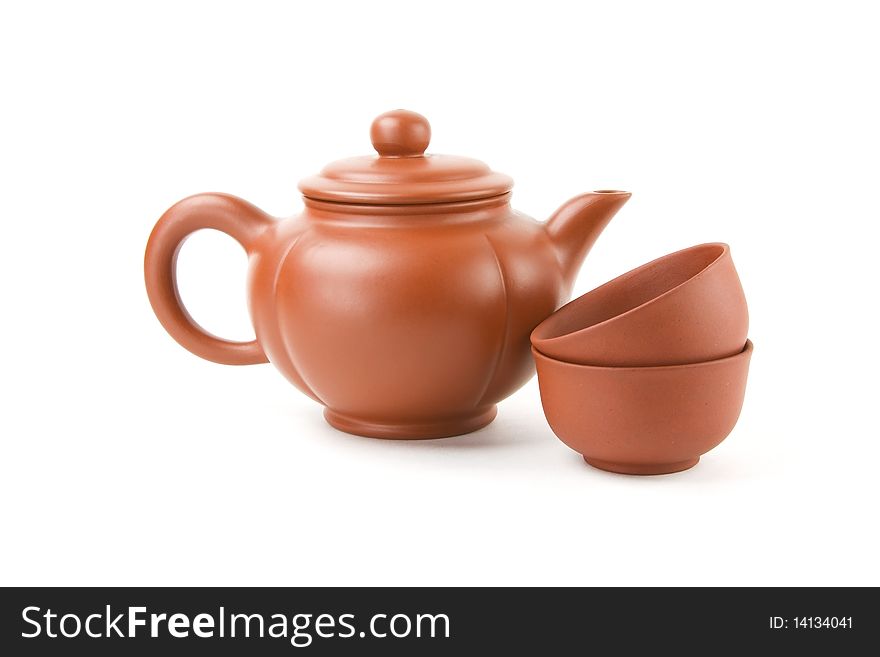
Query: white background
point(126, 460)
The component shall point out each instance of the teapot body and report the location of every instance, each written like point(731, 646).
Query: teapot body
point(405, 322)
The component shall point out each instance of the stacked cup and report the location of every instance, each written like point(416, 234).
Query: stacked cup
point(646, 373)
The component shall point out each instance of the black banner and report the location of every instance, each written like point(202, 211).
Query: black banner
point(279, 621)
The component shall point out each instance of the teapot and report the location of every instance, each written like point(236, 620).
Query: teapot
point(403, 296)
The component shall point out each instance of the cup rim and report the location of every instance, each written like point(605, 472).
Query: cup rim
point(725, 251)
point(744, 354)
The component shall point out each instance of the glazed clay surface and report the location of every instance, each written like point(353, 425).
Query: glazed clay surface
point(402, 298)
point(643, 420)
point(686, 307)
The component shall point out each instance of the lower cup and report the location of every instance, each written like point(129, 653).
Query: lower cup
point(643, 420)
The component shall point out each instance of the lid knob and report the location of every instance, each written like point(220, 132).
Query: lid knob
point(400, 133)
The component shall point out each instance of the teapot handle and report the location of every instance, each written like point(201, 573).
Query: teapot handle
point(229, 214)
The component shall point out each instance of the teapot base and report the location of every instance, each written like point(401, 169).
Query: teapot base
point(642, 468)
point(442, 428)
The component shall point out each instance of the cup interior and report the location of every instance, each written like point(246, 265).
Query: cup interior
point(631, 290)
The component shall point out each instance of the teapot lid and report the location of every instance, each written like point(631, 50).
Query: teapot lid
point(402, 173)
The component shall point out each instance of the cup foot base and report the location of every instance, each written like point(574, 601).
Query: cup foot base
point(642, 468)
point(442, 428)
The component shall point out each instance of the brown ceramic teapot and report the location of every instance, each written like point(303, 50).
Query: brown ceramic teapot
point(403, 296)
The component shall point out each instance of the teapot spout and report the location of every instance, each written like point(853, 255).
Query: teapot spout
point(575, 227)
